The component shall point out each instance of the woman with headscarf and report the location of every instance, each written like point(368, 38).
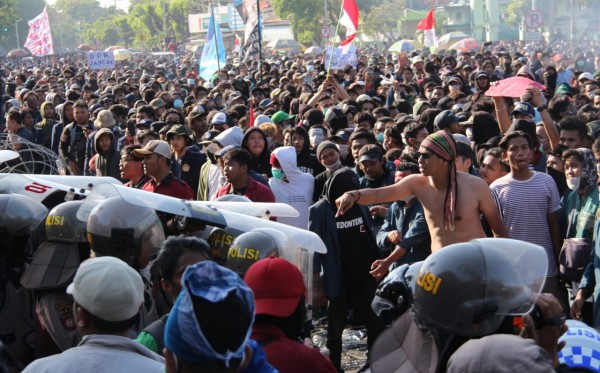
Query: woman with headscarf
point(581, 205)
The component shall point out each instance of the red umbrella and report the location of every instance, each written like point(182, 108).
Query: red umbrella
point(85, 47)
point(466, 44)
point(513, 87)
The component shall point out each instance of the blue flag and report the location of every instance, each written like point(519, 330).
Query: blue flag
point(213, 52)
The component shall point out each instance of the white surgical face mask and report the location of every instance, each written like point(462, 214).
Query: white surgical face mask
point(574, 182)
point(343, 150)
point(315, 136)
point(334, 166)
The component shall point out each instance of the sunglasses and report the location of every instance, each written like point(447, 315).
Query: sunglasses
point(425, 156)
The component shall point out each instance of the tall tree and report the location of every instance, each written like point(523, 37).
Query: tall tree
point(8, 16)
point(381, 23)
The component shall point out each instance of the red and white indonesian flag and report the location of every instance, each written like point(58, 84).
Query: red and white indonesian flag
point(349, 20)
point(39, 40)
point(428, 25)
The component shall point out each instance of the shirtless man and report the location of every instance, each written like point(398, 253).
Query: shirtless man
point(450, 221)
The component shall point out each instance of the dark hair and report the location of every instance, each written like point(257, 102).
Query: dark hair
point(497, 153)
point(81, 104)
point(393, 133)
point(411, 130)
point(143, 135)
point(381, 110)
point(557, 105)
point(359, 134)
point(224, 324)
point(513, 135)
point(558, 150)
point(465, 151)
point(15, 115)
point(574, 124)
point(111, 327)
point(174, 111)
point(119, 110)
point(571, 153)
point(241, 156)
point(128, 152)
point(174, 247)
point(148, 110)
point(361, 116)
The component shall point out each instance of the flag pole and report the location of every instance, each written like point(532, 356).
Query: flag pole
point(212, 15)
point(337, 26)
point(260, 56)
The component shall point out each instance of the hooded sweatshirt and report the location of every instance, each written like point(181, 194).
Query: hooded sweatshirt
point(107, 163)
point(260, 164)
point(45, 126)
point(296, 189)
point(58, 127)
point(307, 161)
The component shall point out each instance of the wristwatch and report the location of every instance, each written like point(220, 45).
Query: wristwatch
point(542, 108)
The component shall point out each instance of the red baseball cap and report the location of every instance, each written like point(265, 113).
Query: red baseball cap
point(277, 285)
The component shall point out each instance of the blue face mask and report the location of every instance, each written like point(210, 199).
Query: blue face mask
point(380, 137)
point(277, 173)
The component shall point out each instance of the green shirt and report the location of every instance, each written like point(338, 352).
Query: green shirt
point(581, 212)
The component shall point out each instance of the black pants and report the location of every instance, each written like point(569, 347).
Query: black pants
point(359, 294)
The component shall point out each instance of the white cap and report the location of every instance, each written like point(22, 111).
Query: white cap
point(416, 59)
point(261, 119)
point(108, 288)
point(585, 75)
point(219, 118)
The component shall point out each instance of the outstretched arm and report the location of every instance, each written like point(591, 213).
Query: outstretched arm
point(390, 193)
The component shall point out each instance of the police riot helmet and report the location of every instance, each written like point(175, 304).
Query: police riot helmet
point(582, 350)
point(468, 288)
point(62, 224)
point(20, 215)
point(249, 247)
point(129, 232)
point(55, 262)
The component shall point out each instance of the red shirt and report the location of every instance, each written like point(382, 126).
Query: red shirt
point(255, 191)
point(170, 186)
point(287, 355)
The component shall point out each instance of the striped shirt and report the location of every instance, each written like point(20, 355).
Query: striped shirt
point(525, 205)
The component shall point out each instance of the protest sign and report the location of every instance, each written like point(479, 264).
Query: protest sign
point(98, 60)
point(340, 59)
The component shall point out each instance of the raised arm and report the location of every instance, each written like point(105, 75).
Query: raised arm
point(502, 113)
point(549, 126)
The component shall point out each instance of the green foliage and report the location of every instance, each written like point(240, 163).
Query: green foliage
point(8, 16)
point(381, 22)
point(84, 11)
point(513, 15)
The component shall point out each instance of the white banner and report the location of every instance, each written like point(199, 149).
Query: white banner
point(341, 59)
point(98, 60)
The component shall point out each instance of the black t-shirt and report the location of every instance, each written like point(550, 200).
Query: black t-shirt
point(357, 252)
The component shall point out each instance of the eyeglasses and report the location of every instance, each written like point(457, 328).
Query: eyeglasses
point(425, 156)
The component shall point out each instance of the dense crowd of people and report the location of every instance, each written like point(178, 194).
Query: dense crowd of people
point(389, 162)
